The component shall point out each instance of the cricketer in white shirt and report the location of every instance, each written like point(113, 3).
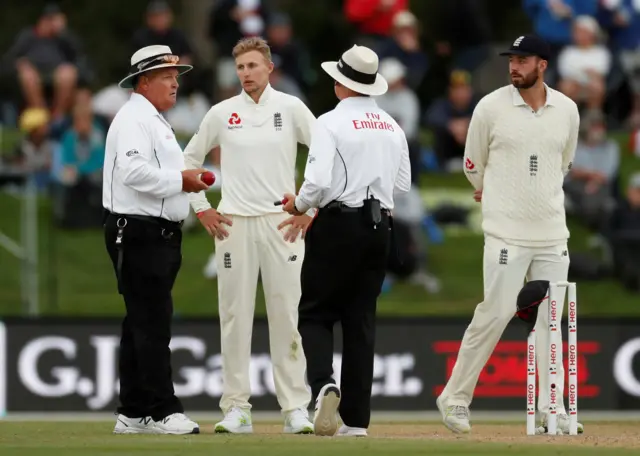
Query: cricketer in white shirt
point(516, 157)
point(258, 146)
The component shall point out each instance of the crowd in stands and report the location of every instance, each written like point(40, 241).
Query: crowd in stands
point(596, 51)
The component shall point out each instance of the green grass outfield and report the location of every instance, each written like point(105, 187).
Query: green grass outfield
point(95, 439)
point(76, 277)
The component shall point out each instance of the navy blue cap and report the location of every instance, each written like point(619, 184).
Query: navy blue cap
point(529, 45)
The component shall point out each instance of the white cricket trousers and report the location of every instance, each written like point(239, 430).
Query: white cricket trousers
point(505, 267)
point(255, 245)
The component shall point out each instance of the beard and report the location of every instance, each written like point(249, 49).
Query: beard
point(526, 81)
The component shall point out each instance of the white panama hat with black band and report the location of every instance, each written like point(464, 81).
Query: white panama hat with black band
point(151, 58)
point(357, 70)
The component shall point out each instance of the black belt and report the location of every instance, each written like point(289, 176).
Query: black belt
point(149, 219)
point(339, 206)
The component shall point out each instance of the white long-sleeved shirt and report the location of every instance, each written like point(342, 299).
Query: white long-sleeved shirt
point(519, 159)
point(357, 150)
point(258, 148)
point(143, 164)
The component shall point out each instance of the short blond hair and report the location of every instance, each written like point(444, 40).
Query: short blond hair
point(253, 43)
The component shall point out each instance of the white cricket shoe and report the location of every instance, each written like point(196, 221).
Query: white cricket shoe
point(177, 424)
point(454, 417)
point(348, 431)
point(325, 419)
point(236, 421)
point(562, 424)
point(126, 425)
point(297, 422)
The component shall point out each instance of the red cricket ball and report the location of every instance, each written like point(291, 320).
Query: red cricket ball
point(208, 177)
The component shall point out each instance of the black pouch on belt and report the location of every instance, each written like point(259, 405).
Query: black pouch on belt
point(372, 212)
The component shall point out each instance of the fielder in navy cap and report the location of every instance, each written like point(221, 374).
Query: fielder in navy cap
point(529, 45)
point(525, 48)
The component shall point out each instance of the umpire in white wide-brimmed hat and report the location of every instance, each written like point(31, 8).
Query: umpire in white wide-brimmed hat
point(152, 58)
point(145, 200)
point(358, 156)
point(357, 69)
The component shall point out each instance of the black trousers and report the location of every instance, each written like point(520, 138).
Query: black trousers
point(150, 261)
point(342, 274)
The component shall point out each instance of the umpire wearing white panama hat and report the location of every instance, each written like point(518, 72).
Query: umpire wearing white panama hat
point(145, 200)
point(357, 69)
point(357, 158)
point(152, 58)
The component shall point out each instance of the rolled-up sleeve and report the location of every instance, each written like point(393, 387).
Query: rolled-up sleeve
point(205, 139)
point(319, 170)
point(140, 165)
point(476, 150)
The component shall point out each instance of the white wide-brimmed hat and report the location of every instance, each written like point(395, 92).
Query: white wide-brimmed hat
point(151, 58)
point(358, 70)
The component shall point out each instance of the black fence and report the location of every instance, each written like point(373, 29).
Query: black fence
point(71, 365)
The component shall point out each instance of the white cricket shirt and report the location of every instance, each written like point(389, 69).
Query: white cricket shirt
point(519, 159)
point(355, 147)
point(143, 164)
point(258, 148)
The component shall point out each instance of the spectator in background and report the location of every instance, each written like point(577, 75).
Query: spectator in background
point(449, 119)
point(402, 103)
point(82, 149)
point(46, 57)
point(621, 20)
point(552, 21)
point(34, 153)
point(282, 81)
point(584, 65)
point(404, 45)
point(230, 21)
point(624, 236)
point(589, 186)
point(468, 41)
point(59, 19)
point(373, 19)
point(292, 54)
point(410, 264)
point(159, 30)
point(78, 196)
point(82, 98)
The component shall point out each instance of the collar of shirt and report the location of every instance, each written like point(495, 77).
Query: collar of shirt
point(143, 106)
point(264, 98)
point(519, 101)
point(357, 101)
